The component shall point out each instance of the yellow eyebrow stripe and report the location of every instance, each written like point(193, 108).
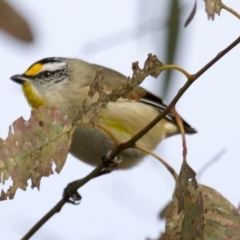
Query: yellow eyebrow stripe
point(34, 69)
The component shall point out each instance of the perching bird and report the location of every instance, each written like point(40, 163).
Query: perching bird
point(64, 83)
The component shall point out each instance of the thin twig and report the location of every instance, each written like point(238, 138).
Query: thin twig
point(175, 67)
point(230, 10)
point(110, 134)
point(169, 168)
point(182, 131)
point(214, 60)
point(61, 203)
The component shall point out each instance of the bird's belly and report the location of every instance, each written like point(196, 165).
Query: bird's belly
point(90, 144)
point(123, 120)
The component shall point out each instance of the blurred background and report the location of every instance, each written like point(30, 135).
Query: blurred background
point(126, 204)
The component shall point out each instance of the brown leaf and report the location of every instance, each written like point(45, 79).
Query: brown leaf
point(193, 222)
point(31, 148)
point(152, 63)
point(193, 210)
point(13, 23)
point(186, 173)
point(221, 219)
point(212, 7)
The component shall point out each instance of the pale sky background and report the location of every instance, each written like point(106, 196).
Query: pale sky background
point(125, 204)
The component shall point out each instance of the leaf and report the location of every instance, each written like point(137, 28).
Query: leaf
point(221, 219)
point(192, 208)
point(31, 148)
point(13, 23)
point(182, 190)
point(212, 7)
point(193, 221)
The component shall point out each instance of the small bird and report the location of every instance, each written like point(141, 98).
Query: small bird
point(65, 82)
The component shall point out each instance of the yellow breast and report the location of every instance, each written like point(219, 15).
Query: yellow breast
point(32, 96)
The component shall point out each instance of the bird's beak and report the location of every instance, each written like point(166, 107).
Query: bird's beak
point(20, 79)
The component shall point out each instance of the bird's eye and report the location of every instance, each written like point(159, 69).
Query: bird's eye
point(47, 74)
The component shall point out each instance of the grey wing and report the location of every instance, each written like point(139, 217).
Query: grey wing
point(113, 79)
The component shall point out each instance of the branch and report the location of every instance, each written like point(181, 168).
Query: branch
point(57, 208)
point(228, 9)
point(214, 60)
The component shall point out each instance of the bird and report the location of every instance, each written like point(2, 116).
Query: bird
point(64, 83)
